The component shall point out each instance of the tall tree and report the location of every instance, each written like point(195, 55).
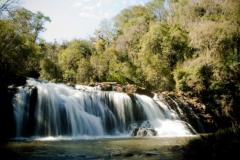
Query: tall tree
point(28, 22)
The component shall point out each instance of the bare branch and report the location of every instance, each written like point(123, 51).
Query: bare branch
point(7, 5)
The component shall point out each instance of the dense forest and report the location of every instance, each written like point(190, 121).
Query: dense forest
point(188, 46)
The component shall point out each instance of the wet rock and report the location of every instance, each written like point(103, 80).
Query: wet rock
point(129, 154)
point(106, 87)
point(16, 80)
point(116, 153)
point(118, 88)
point(144, 91)
point(92, 158)
point(127, 88)
point(192, 110)
point(176, 148)
point(151, 153)
point(144, 132)
point(70, 84)
point(112, 154)
point(131, 88)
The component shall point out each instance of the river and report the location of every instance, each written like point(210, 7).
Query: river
point(59, 122)
point(164, 148)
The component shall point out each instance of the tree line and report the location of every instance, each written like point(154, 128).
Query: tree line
point(189, 46)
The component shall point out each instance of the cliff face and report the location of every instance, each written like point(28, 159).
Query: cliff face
point(192, 110)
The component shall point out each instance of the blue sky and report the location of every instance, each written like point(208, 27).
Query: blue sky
point(72, 19)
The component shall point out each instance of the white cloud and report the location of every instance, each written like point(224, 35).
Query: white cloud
point(102, 8)
point(76, 18)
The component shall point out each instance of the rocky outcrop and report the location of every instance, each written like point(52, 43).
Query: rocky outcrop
point(144, 132)
point(191, 110)
point(128, 88)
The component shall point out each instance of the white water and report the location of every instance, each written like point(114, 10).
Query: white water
point(62, 111)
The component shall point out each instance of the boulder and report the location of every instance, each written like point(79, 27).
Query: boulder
point(144, 132)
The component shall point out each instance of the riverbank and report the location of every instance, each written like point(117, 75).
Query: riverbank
point(221, 145)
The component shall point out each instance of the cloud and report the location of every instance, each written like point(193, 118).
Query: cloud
point(76, 18)
point(101, 9)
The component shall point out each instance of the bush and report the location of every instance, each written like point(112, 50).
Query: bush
point(194, 75)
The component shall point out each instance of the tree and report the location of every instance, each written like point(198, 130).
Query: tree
point(50, 70)
point(28, 22)
point(157, 9)
point(70, 58)
point(162, 48)
point(100, 66)
point(20, 53)
point(84, 72)
point(15, 49)
point(106, 32)
point(131, 17)
point(128, 44)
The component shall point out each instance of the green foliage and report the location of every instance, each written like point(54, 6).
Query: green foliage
point(132, 17)
point(84, 72)
point(50, 70)
point(28, 22)
point(100, 63)
point(162, 47)
point(194, 74)
point(212, 72)
point(20, 54)
point(111, 66)
point(16, 50)
point(157, 10)
point(70, 58)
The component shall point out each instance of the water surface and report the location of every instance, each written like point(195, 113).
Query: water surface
point(108, 148)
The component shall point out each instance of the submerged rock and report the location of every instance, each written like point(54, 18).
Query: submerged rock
point(129, 154)
point(144, 132)
point(151, 153)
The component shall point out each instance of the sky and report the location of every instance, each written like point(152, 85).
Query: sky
point(73, 19)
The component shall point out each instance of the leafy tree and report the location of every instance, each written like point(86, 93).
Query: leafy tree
point(162, 48)
point(131, 17)
point(70, 58)
point(157, 9)
point(15, 49)
point(28, 22)
point(84, 72)
point(100, 66)
point(50, 70)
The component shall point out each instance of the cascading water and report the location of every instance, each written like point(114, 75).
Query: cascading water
point(47, 109)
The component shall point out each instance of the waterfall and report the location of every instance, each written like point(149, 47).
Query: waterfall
point(47, 109)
